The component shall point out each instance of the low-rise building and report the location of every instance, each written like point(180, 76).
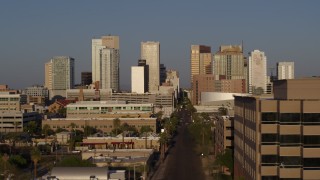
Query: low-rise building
point(149, 142)
point(76, 173)
point(223, 134)
point(108, 109)
point(63, 137)
point(36, 94)
point(13, 116)
point(224, 137)
point(103, 124)
point(14, 121)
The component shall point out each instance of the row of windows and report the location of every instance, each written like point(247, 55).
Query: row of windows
point(272, 117)
point(104, 126)
point(9, 99)
point(290, 139)
point(290, 161)
point(107, 108)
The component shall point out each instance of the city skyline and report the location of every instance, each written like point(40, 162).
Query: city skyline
point(34, 30)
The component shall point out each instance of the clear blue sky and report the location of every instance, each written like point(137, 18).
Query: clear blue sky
point(31, 32)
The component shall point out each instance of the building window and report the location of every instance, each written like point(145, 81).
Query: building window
point(311, 118)
point(311, 162)
point(269, 177)
point(290, 139)
point(289, 118)
point(269, 159)
point(290, 160)
point(269, 117)
point(269, 138)
point(311, 140)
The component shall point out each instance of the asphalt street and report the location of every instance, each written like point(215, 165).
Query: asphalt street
point(182, 162)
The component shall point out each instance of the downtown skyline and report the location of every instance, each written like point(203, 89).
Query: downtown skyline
point(34, 32)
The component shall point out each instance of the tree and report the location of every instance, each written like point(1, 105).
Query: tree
point(35, 157)
point(146, 130)
point(63, 112)
point(18, 160)
point(45, 131)
point(163, 140)
point(225, 159)
point(31, 127)
point(58, 130)
point(90, 130)
point(222, 111)
point(74, 161)
point(116, 125)
point(159, 115)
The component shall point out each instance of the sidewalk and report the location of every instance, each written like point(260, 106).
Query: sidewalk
point(159, 173)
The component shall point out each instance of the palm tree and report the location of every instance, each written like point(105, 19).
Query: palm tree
point(35, 157)
point(45, 130)
point(145, 129)
point(116, 124)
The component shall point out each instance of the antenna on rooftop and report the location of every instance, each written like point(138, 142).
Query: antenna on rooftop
point(242, 46)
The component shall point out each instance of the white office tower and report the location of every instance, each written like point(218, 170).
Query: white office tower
point(285, 70)
point(105, 62)
point(59, 75)
point(150, 51)
point(137, 79)
point(257, 72)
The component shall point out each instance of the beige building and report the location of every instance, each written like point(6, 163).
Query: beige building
point(108, 109)
point(224, 136)
point(257, 83)
point(103, 124)
point(285, 70)
point(119, 142)
point(13, 117)
point(200, 60)
point(230, 62)
point(150, 51)
point(105, 62)
point(279, 138)
point(59, 75)
point(161, 101)
point(207, 83)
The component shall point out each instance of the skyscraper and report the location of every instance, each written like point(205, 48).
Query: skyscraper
point(285, 70)
point(86, 78)
point(257, 72)
point(150, 51)
point(200, 60)
point(163, 73)
point(59, 75)
point(229, 62)
point(137, 79)
point(105, 62)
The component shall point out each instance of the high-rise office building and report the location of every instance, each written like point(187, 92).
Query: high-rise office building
point(285, 70)
point(59, 75)
point(163, 73)
point(257, 72)
point(279, 138)
point(150, 51)
point(230, 62)
point(200, 60)
point(137, 79)
point(86, 78)
point(105, 62)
